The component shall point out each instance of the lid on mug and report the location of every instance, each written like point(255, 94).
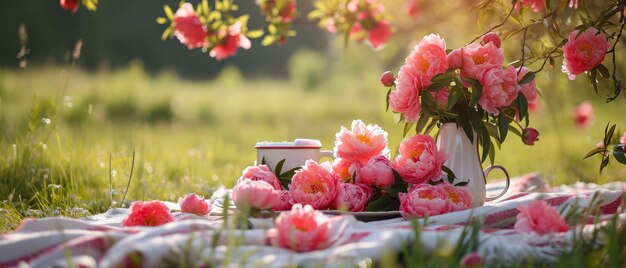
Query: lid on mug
point(296, 144)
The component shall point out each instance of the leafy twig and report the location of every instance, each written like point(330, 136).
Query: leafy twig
point(499, 24)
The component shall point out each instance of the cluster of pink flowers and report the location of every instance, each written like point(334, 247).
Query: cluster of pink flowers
point(369, 23)
point(425, 200)
point(191, 32)
point(155, 213)
point(481, 62)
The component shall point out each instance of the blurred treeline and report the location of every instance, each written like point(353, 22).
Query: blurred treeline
point(124, 31)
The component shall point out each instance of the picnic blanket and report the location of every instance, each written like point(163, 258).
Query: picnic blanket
point(101, 241)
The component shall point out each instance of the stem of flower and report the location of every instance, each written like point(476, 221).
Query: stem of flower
point(499, 24)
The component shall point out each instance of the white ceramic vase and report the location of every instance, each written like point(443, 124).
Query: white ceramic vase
point(464, 161)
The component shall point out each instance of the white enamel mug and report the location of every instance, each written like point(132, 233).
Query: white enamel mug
point(295, 153)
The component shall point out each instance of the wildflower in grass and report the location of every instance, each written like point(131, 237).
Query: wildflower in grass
point(254, 194)
point(584, 52)
point(530, 136)
point(284, 201)
point(232, 39)
point(540, 218)
point(194, 204)
point(377, 172)
point(423, 200)
point(529, 89)
point(353, 197)
point(493, 38)
point(188, 28)
point(70, 5)
point(314, 185)
point(419, 160)
point(459, 197)
point(500, 88)
point(151, 213)
point(583, 115)
point(302, 229)
point(361, 143)
point(261, 173)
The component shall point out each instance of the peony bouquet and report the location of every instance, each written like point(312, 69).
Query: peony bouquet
point(362, 177)
point(468, 86)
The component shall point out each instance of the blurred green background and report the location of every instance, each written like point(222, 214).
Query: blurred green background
point(68, 131)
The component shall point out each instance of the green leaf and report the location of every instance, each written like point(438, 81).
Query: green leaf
point(168, 12)
point(290, 173)
point(527, 78)
point(166, 33)
point(205, 7)
point(450, 173)
point(454, 96)
point(421, 123)
point(398, 182)
point(605, 162)
point(619, 154)
point(442, 78)
point(503, 126)
point(467, 128)
point(486, 143)
point(387, 100)
point(477, 91)
point(263, 162)
point(515, 131)
point(285, 181)
point(268, 40)
point(437, 86)
point(604, 72)
point(255, 33)
point(462, 183)
point(279, 167)
point(593, 74)
point(407, 128)
point(386, 203)
point(608, 135)
point(522, 106)
point(594, 152)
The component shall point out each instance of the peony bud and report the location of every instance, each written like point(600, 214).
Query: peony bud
point(493, 38)
point(256, 194)
point(530, 136)
point(387, 79)
point(70, 5)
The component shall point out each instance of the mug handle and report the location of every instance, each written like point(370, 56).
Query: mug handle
point(506, 185)
point(327, 153)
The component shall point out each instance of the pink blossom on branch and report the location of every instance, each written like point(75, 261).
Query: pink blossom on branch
point(261, 173)
point(583, 115)
point(353, 197)
point(361, 142)
point(535, 5)
point(70, 5)
point(377, 36)
point(584, 52)
point(194, 204)
point(540, 218)
point(493, 38)
point(188, 28)
point(232, 40)
point(150, 213)
point(500, 88)
point(419, 160)
point(623, 139)
point(423, 200)
point(412, 8)
point(302, 229)
point(314, 185)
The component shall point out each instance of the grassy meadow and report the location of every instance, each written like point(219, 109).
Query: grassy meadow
point(68, 137)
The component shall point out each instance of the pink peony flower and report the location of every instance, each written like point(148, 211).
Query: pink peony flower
point(500, 88)
point(472, 259)
point(194, 204)
point(344, 169)
point(406, 100)
point(188, 28)
point(302, 229)
point(151, 213)
point(529, 89)
point(459, 197)
point(540, 218)
point(423, 200)
point(411, 7)
point(314, 185)
point(255, 194)
point(377, 36)
point(419, 160)
point(536, 5)
point(455, 58)
point(261, 173)
point(232, 40)
point(284, 201)
point(353, 197)
point(530, 136)
point(585, 52)
point(70, 5)
point(427, 59)
point(493, 38)
point(377, 172)
point(387, 79)
point(361, 143)
point(441, 98)
point(478, 59)
point(583, 115)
